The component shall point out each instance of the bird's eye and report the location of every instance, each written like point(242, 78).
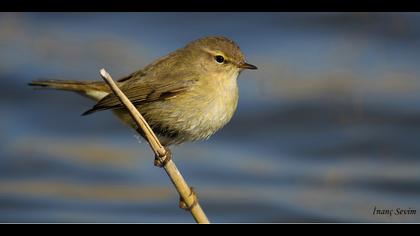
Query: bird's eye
point(220, 59)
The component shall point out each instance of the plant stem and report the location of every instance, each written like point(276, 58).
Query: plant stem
point(188, 197)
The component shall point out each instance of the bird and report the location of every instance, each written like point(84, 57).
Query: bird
point(185, 96)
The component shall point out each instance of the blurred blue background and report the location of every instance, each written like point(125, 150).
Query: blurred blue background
point(326, 130)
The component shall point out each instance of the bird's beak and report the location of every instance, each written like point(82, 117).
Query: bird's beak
point(245, 65)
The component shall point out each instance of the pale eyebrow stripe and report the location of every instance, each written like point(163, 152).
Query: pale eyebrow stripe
point(215, 53)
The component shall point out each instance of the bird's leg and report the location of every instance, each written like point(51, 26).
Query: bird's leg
point(160, 161)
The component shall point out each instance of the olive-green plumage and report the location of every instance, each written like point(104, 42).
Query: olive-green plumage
point(185, 96)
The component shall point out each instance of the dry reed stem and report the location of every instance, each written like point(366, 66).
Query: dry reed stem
point(187, 195)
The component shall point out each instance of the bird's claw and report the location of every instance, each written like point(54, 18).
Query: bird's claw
point(161, 161)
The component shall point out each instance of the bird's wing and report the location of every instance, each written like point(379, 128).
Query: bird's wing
point(142, 90)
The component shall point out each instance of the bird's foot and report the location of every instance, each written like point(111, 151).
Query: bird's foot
point(160, 161)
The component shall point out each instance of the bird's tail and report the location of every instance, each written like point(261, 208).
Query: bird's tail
point(71, 85)
point(93, 89)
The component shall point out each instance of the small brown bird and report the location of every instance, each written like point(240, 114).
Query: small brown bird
point(186, 95)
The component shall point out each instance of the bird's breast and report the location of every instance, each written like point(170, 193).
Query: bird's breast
point(216, 106)
point(194, 115)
